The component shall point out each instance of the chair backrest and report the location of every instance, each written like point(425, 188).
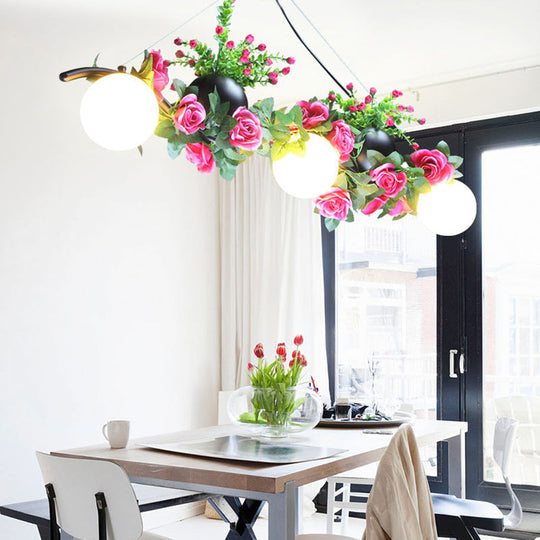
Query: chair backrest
point(76, 482)
point(503, 444)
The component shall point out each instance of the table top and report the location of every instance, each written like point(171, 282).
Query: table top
point(362, 447)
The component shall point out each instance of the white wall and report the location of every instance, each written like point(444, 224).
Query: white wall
point(109, 278)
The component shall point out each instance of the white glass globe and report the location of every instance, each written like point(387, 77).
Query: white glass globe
point(119, 111)
point(448, 209)
point(311, 175)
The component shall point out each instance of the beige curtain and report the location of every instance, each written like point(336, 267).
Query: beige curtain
point(271, 274)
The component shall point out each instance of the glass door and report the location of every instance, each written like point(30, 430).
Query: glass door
point(503, 310)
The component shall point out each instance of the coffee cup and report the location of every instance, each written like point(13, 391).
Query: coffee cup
point(116, 432)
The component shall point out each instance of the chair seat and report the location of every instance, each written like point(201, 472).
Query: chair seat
point(477, 514)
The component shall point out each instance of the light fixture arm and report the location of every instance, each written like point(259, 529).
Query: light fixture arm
point(85, 72)
point(309, 50)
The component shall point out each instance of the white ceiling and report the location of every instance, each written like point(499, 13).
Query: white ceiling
point(385, 43)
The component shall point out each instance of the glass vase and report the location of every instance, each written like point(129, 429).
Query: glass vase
point(274, 412)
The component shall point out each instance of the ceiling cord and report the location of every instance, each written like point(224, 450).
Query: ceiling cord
point(174, 30)
point(309, 50)
point(329, 46)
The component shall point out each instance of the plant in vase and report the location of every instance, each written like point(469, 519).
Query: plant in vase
point(278, 402)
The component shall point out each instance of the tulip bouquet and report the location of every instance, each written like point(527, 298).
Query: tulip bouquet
point(274, 383)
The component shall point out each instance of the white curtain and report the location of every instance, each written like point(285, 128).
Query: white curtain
point(271, 274)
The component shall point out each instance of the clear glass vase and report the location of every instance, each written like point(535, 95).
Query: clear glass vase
point(274, 412)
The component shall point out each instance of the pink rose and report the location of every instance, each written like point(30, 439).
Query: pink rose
point(331, 96)
point(374, 205)
point(372, 90)
point(161, 76)
point(230, 45)
point(350, 86)
point(342, 139)
point(193, 43)
point(248, 133)
point(386, 178)
point(219, 30)
point(269, 62)
point(249, 39)
point(334, 204)
point(435, 165)
point(313, 114)
point(291, 60)
point(368, 99)
point(199, 154)
point(286, 70)
point(190, 115)
point(262, 47)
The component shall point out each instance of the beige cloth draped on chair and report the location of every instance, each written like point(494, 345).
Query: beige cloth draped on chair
point(399, 506)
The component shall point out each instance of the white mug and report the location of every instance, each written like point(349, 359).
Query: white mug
point(116, 432)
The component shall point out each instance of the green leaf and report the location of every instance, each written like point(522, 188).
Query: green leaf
point(233, 155)
point(444, 148)
point(413, 172)
point(179, 87)
point(422, 185)
point(350, 216)
point(278, 151)
point(191, 90)
point(165, 129)
point(140, 149)
point(341, 181)
point(214, 100)
point(266, 106)
point(395, 158)
point(375, 158)
point(284, 118)
point(298, 148)
point(331, 224)
point(175, 147)
point(296, 114)
point(227, 170)
point(95, 60)
point(457, 174)
point(456, 161)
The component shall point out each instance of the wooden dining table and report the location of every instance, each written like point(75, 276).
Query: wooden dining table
point(276, 484)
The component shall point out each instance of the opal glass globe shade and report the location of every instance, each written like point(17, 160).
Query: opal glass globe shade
point(311, 175)
point(448, 209)
point(119, 111)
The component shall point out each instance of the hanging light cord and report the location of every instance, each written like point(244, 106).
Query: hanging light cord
point(309, 50)
point(319, 33)
point(173, 31)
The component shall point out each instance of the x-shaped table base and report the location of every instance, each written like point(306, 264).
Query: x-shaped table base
point(240, 516)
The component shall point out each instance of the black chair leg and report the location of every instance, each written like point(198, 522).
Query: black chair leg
point(453, 527)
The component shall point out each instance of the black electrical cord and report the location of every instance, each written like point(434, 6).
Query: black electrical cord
point(309, 50)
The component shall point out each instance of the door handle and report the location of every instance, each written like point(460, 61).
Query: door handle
point(462, 363)
point(453, 352)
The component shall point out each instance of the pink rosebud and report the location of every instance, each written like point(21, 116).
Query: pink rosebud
point(258, 350)
point(166, 63)
point(178, 41)
point(291, 363)
point(249, 39)
point(368, 99)
point(200, 155)
point(335, 204)
point(179, 54)
point(302, 360)
point(161, 76)
point(362, 106)
point(190, 115)
point(435, 165)
point(422, 121)
point(353, 108)
point(372, 90)
point(273, 75)
point(262, 47)
point(191, 62)
point(286, 70)
point(281, 350)
point(291, 60)
point(298, 340)
point(395, 93)
point(247, 71)
point(350, 86)
point(219, 29)
point(248, 133)
point(374, 205)
point(244, 59)
point(313, 114)
point(386, 178)
point(331, 96)
point(401, 108)
point(269, 62)
point(415, 146)
point(193, 43)
point(230, 45)
point(342, 139)
point(294, 353)
point(245, 52)
point(273, 81)
point(410, 109)
point(390, 121)
point(250, 366)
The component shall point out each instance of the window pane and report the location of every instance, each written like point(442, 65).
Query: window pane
point(386, 283)
point(511, 310)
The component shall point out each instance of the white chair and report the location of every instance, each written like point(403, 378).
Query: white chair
point(91, 499)
point(447, 508)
